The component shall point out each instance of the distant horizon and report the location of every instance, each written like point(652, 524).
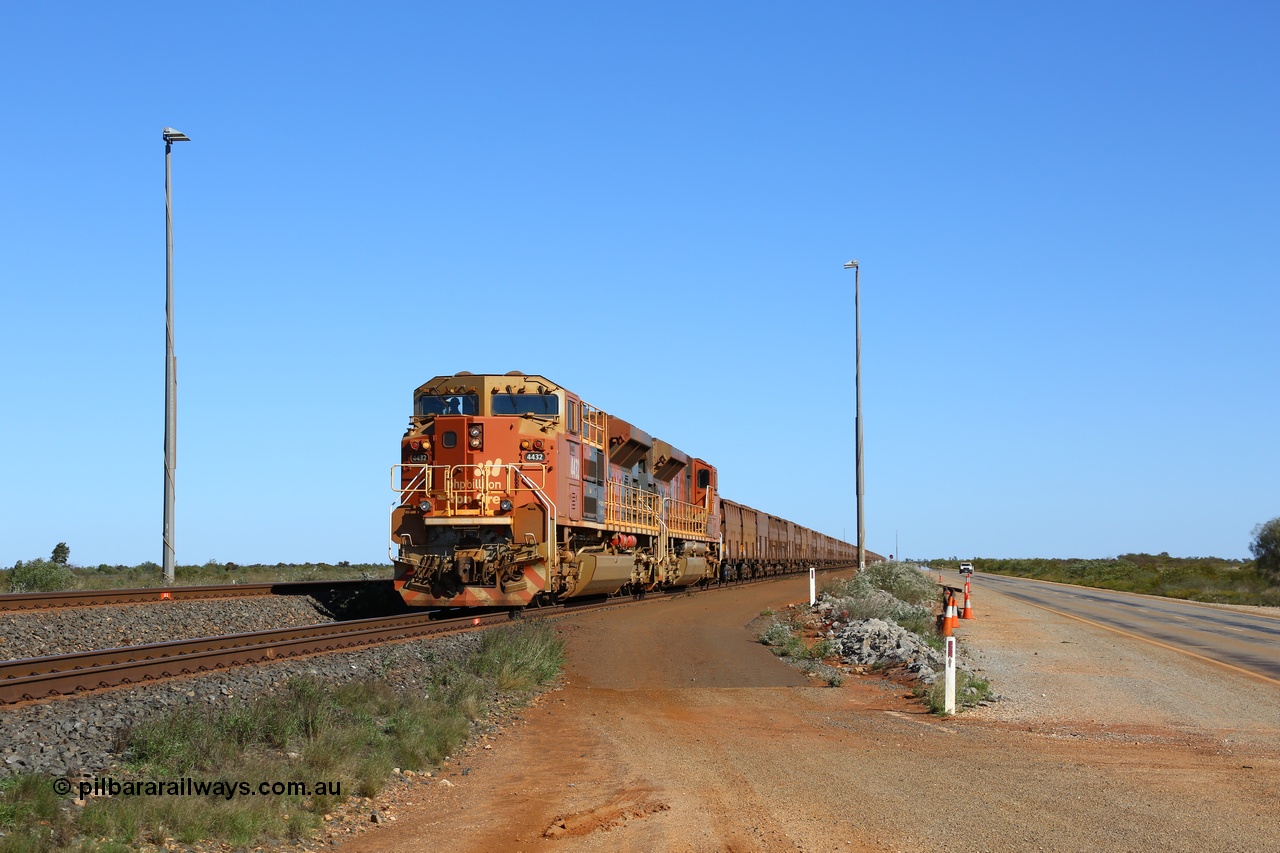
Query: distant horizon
point(353, 563)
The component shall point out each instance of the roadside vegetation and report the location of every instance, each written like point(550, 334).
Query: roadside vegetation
point(350, 738)
point(1206, 579)
point(891, 592)
point(787, 640)
point(970, 690)
point(57, 573)
point(879, 620)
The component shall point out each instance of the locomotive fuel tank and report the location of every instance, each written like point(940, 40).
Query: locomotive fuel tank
point(601, 574)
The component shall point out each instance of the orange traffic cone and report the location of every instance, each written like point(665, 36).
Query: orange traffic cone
point(967, 613)
point(953, 621)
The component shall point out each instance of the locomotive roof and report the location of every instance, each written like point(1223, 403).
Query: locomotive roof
point(483, 383)
point(668, 457)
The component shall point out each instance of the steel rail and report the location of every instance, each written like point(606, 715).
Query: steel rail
point(29, 601)
point(39, 678)
point(32, 679)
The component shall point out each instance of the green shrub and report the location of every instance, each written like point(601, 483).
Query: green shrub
point(891, 592)
point(903, 581)
point(40, 576)
point(784, 642)
point(31, 816)
point(821, 649)
point(970, 690)
point(777, 634)
point(521, 657)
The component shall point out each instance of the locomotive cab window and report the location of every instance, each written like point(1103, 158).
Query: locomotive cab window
point(525, 404)
point(446, 404)
point(704, 478)
point(574, 426)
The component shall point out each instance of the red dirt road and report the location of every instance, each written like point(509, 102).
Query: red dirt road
point(676, 731)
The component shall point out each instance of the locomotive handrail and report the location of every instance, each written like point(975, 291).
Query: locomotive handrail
point(472, 490)
point(553, 550)
point(417, 483)
point(478, 483)
point(393, 545)
point(628, 506)
point(686, 519)
point(662, 534)
point(594, 427)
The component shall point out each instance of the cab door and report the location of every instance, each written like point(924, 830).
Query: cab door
point(575, 478)
point(573, 444)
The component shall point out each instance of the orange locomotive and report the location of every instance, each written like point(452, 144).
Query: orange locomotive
point(514, 491)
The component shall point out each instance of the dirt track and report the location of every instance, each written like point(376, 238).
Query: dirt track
point(676, 731)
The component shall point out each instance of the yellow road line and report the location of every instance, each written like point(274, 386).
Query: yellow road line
point(1230, 666)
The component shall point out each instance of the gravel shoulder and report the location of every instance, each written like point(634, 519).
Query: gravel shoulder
point(1054, 672)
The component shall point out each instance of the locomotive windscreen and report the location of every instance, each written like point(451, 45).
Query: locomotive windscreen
point(446, 404)
point(526, 404)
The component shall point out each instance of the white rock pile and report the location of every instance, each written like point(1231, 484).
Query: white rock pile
point(875, 642)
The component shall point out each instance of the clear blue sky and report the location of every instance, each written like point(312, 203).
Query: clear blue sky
point(1067, 218)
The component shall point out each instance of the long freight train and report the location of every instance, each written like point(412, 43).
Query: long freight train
point(515, 491)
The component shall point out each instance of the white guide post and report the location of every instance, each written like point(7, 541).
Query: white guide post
point(949, 683)
point(813, 586)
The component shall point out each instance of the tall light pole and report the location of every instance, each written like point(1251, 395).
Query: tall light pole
point(857, 382)
point(170, 361)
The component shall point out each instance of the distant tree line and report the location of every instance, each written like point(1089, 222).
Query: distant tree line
point(57, 573)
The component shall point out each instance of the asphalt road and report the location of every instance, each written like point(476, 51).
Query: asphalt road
point(1240, 639)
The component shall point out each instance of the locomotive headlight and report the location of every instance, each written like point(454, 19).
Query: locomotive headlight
point(475, 437)
point(425, 506)
point(474, 430)
point(506, 505)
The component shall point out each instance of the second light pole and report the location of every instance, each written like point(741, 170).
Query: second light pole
point(170, 361)
point(857, 384)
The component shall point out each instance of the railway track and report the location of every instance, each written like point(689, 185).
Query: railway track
point(29, 601)
point(35, 679)
point(60, 675)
